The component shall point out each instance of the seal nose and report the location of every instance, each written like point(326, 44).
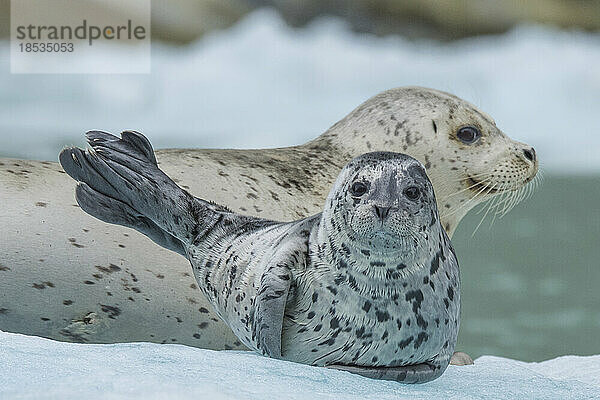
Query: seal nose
point(382, 212)
point(529, 154)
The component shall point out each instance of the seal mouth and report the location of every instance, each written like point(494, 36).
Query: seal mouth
point(384, 235)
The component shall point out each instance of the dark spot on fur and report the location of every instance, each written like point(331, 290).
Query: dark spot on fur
point(402, 344)
point(435, 263)
point(335, 323)
point(43, 285)
point(112, 311)
point(417, 296)
point(422, 337)
point(421, 322)
point(367, 306)
point(382, 316)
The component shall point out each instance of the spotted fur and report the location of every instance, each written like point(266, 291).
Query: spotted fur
point(351, 288)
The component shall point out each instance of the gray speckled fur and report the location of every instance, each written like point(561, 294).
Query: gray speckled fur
point(348, 288)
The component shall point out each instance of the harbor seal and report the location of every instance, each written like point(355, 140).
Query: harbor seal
point(66, 276)
point(370, 285)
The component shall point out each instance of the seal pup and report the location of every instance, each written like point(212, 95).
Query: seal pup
point(67, 276)
point(370, 285)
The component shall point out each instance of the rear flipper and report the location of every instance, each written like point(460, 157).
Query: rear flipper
point(122, 184)
point(114, 211)
point(418, 373)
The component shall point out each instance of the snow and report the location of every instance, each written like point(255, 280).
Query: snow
point(36, 368)
point(264, 84)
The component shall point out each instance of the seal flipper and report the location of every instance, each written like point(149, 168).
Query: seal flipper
point(113, 211)
point(131, 142)
point(124, 173)
point(270, 303)
point(418, 373)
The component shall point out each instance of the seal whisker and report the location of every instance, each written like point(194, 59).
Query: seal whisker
point(517, 195)
point(465, 204)
point(463, 190)
point(487, 208)
point(494, 204)
point(512, 200)
point(481, 176)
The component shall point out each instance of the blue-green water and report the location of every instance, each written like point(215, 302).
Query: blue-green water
point(531, 282)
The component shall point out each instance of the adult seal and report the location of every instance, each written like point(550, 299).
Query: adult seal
point(370, 285)
point(67, 276)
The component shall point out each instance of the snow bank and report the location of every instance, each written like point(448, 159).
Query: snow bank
point(264, 84)
point(36, 368)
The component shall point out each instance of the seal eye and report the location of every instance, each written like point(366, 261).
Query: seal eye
point(412, 192)
point(468, 134)
point(358, 189)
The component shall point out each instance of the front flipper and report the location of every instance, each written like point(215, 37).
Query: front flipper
point(270, 308)
point(418, 373)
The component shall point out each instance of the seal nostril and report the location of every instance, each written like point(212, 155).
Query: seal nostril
point(382, 212)
point(529, 154)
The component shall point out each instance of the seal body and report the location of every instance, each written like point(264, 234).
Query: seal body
point(68, 276)
point(370, 285)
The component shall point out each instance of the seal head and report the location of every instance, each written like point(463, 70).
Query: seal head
point(468, 158)
point(383, 200)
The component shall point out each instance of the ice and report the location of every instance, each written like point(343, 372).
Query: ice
point(36, 368)
point(264, 84)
